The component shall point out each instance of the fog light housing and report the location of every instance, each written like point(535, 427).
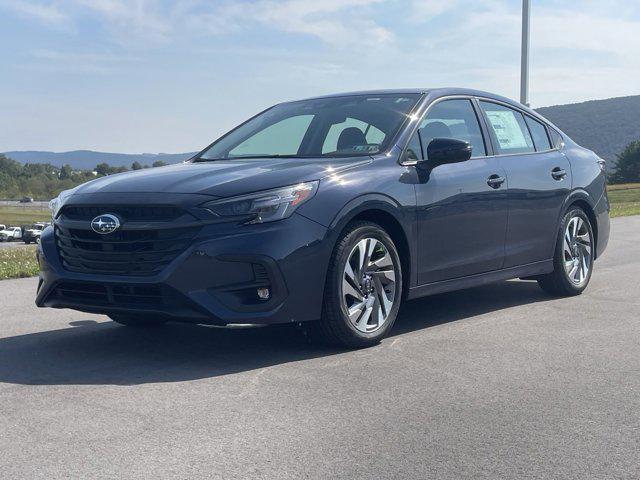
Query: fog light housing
point(264, 293)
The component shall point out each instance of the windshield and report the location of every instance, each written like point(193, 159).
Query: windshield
point(327, 127)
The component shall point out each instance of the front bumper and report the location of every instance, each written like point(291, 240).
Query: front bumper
point(215, 280)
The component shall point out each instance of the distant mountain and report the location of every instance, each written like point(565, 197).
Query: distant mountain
point(87, 159)
point(604, 126)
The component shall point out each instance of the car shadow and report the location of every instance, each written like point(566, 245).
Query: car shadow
point(103, 353)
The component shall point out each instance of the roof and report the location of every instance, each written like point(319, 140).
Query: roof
point(440, 92)
point(436, 92)
point(391, 91)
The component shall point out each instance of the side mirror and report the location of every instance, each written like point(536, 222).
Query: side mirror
point(448, 150)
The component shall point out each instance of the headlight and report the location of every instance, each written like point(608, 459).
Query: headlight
point(54, 206)
point(56, 203)
point(265, 206)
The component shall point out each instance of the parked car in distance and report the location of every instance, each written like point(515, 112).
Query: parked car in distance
point(32, 235)
point(26, 200)
point(331, 211)
point(10, 234)
point(2, 227)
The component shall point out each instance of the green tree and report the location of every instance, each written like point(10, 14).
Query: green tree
point(158, 163)
point(103, 169)
point(136, 165)
point(9, 188)
point(9, 166)
point(41, 181)
point(627, 168)
point(65, 172)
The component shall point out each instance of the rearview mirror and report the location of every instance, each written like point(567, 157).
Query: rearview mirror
point(448, 150)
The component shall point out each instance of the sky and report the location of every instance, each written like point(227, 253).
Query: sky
point(170, 76)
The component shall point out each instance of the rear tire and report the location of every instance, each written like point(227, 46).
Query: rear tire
point(573, 257)
point(363, 288)
point(137, 321)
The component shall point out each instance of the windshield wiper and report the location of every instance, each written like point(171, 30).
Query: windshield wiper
point(324, 155)
point(240, 157)
point(264, 156)
point(200, 160)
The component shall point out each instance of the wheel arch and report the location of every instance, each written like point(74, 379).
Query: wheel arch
point(383, 211)
point(583, 200)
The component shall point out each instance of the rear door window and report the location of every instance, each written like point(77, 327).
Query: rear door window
point(539, 134)
point(509, 127)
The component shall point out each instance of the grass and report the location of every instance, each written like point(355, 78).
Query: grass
point(18, 262)
point(624, 199)
point(17, 215)
point(21, 262)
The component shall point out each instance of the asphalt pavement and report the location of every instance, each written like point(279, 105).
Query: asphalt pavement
point(497, 382)
point(12, 245)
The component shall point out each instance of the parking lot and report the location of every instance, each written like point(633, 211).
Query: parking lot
point(500, 381)
point(12, 244)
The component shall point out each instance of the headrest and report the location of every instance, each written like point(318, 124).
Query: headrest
point(350, 137)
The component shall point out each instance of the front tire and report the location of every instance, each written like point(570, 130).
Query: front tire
point(363, 288)
point(137, 321)
point(573, 258)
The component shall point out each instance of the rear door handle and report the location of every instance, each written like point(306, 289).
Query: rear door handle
point(558, 173)
point(495, 181)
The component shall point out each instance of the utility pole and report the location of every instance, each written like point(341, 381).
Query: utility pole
point(524, 58)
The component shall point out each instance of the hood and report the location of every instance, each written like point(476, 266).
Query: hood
point(221, 178)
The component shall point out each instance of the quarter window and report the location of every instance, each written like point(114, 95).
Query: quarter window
point(539, 134)
point(556, 138)
point(453, 119)
point(414, 150)
point(509, 127)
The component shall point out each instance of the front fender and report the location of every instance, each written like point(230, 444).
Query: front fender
point(398, 220)
point(371, 201)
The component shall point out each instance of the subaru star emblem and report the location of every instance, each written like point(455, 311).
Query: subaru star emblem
point(104, 224)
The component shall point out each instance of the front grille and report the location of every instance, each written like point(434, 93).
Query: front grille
point(125, 296)
point(123, 252)
point(131, 213)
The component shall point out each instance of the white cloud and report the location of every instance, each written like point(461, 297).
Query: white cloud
point(577, 53)
point(152, 21)
point(174, 62)
point(132, 19)
point(45, 12)
point(424, 10)
point(46, 60)
point(329, 20)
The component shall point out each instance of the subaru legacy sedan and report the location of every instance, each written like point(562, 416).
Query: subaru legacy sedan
point(332, 211)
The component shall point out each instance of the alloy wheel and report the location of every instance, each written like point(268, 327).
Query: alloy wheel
point(369, 285)
point(577, 249)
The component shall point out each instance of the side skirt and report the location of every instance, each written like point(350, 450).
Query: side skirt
point(529, 270)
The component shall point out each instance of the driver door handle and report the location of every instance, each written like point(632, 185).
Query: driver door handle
point(495, 181)
point(558, 173)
